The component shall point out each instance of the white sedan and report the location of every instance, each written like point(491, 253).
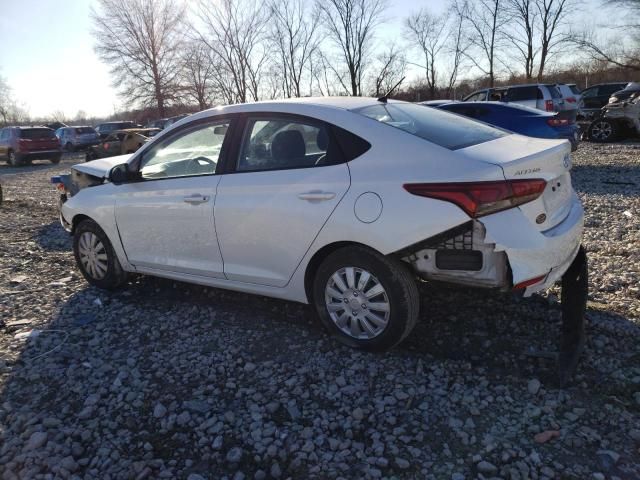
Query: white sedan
point(344, 203)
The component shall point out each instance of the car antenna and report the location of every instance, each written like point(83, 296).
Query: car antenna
point(385, 97)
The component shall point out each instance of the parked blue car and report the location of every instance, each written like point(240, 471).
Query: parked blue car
point(519, 119)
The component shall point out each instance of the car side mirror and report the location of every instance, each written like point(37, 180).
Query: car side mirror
point(122, 174)
point(221, 130)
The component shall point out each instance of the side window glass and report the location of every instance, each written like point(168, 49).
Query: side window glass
point(592, 92)
point(193, 152)
point(276, 144)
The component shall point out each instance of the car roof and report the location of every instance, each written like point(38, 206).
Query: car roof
point(512, 106)
point(135, 130)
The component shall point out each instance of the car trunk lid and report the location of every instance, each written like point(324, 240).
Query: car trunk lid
point(528, 158)
point(100, 168)
point(37, 139)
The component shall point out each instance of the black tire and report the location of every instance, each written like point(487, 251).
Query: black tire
point(69, 147)
point(400, 288)
point(603, 130)
point(55, 160)
point(114, 276)
point(90, 155)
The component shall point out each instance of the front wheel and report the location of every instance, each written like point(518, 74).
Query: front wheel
point(14, 161)
point(96, 258)
point(603, 130)
point(55, 160)
point(365, 299)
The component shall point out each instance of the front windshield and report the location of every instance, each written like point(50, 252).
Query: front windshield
point(436, 126)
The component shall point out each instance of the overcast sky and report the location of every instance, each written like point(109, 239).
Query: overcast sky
point(47, 57)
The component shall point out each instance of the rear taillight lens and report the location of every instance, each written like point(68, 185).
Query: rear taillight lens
point(105, 146)
point(558, 122)
point(570, 99)
point(481, 198)
point(548, 105)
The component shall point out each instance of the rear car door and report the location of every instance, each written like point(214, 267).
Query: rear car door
point(285, 180)
point(165, 220)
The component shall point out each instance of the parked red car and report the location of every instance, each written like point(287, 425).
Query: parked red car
point(21, 145)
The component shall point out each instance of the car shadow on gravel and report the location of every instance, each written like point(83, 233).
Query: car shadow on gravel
point(52, 237)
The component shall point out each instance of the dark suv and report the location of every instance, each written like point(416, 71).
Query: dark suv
point(597, 96)
point(20, 145)
point(104, 129)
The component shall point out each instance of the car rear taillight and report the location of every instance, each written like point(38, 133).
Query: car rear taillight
point(559, 122)
point(528, 283)
point(570, 99)
point(105, 146)
point(481, 198)
point(548, 105)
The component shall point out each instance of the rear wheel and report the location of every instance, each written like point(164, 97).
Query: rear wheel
point(603, 130)
point(69, 147)
point(365, 299)
point(96, 258)
point(56, 159)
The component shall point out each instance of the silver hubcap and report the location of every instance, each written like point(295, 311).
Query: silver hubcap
point(601, 130)
point(93, 255)
point(357, 303)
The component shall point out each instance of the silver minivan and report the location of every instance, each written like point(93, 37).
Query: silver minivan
point(76, 138)
point(540, 96)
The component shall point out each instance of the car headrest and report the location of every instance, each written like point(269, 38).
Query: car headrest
point(322, 139)
point(288, 145)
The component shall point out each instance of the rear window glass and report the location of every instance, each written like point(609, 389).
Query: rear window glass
point(442, 128)
point(85, 130)
point(523, 93)
point(555, 93)
point(37, 133)
point(574, 89)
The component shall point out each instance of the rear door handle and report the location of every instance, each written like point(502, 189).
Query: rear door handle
point(195, 198)
point(316, 196)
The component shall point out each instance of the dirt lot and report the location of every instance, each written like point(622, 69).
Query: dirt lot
point(169, 380)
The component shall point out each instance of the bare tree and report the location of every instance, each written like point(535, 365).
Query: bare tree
point(141, 40)
point(295, 37)
point(621, 51)
point(552, 14)
point(456, 48)
point(322, 75)
point(10, 111)
point(391, 67)
point(485, 19)
point(198, 74)
point(523, 33)
point(351, 25)
point(235, 34)
point(428, 32)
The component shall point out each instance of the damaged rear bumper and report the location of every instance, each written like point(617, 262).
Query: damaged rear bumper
point(500, 251)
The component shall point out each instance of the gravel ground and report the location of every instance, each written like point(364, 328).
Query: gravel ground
point(170, 380)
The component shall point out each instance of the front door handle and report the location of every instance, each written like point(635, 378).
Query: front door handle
point(316, 196)
point(195, 198)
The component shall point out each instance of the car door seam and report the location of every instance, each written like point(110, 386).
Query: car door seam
point(322, 227)
point(215, 227)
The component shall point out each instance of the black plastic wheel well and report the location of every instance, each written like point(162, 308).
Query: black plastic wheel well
point(317, 259)
point(76, 221)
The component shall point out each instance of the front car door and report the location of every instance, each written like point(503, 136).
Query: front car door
point(286, 179)
point(165, 220)
point(4, 141)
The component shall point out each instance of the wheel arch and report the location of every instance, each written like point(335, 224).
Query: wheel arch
point(317, 259)
point(77, 219)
